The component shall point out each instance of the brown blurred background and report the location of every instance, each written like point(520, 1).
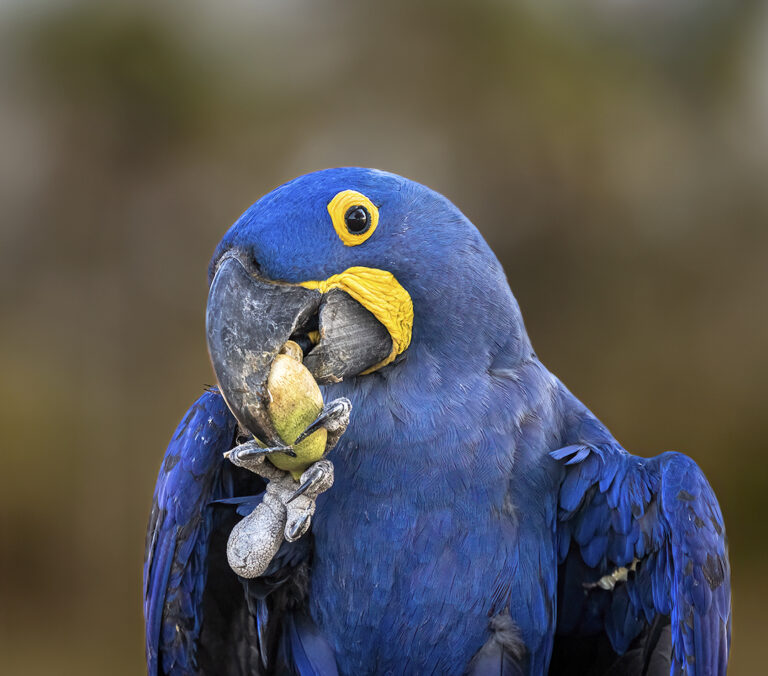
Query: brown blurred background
point(614, 154)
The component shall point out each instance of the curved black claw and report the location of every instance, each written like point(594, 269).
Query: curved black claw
point(334, 417)
point(250, 451)
point(316, 479)
point(295, 530)
point(300, 491)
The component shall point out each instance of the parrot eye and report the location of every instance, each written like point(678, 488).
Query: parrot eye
point(354, 217)
point(357, 220)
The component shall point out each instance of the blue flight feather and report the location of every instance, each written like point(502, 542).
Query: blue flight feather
point(178, 534)
point(312, 655)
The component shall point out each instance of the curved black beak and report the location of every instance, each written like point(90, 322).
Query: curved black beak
point(249, 319)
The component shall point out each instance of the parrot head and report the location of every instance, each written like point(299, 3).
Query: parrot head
point(369, 272)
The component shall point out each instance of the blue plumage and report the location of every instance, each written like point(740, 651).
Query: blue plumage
point(481, 519)
point(179, 532)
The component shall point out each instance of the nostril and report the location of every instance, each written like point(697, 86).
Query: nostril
point(248, 259)
point(253, 262)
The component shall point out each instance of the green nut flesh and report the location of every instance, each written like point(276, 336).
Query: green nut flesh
point(296, 403)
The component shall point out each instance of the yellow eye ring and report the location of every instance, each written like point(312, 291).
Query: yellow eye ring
point(354, 217)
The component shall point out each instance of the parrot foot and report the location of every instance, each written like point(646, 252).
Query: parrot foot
point(285, 513)
point(300, 502)
point(334, 418)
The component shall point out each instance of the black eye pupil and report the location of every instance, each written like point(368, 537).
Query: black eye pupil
point(357, 220)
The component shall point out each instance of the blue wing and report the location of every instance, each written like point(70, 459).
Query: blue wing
point(179, 533)
point(643, 558)
point(200, 617)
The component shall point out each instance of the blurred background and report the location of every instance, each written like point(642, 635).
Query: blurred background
point(614, 154)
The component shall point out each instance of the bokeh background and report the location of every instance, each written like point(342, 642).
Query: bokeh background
point(614, 154)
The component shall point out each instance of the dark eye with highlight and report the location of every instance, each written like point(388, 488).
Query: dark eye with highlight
point(357, 219)
point(354, 217)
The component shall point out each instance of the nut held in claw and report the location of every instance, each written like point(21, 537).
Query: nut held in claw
point(295, 403)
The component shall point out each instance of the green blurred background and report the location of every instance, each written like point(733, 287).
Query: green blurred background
point(613, 153)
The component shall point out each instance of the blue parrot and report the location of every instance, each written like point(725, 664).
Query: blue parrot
point(482, 520)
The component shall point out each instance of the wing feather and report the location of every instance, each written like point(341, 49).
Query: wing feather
point(659, 519)
point(179, 532)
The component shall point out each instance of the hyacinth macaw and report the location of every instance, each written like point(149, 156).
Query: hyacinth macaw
point(482, 519)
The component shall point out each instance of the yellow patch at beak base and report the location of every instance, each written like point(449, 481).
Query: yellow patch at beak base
point(382, 295)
